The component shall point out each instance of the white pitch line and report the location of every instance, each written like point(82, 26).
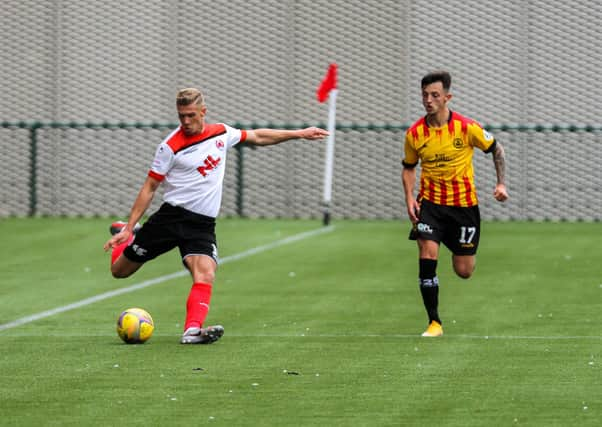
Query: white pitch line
point(161, 279)
point(417, 336)
point(526, 337)
point(310, 336)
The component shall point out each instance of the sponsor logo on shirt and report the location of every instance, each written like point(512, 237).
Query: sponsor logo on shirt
point(208, 165)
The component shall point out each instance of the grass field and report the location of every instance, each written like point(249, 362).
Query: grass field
point(321, 331)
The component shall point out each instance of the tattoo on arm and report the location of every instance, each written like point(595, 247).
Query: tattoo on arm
point(499, 160)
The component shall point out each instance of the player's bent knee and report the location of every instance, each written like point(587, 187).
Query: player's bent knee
point(121, 271)
point(463, 274)
point(118, 274)
point(464, 267)
point(204, 277)
point(202, 268)
point(464, 271)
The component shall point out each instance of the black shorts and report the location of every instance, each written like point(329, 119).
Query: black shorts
point(458, 228)
point(172, 226)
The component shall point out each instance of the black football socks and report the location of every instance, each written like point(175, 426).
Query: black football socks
point(429, 287)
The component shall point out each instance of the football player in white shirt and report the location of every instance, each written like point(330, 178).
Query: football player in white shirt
point(191, 163)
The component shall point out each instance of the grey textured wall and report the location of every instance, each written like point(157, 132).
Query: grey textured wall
point(513, 61)
point(517, 62)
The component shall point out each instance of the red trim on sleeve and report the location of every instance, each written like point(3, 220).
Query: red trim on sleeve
point(243, 135)
point(155, 175)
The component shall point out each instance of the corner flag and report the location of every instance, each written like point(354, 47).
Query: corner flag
point(328, 90)
point(329, 83)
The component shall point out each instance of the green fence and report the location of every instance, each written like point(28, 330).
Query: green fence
point(95, 169)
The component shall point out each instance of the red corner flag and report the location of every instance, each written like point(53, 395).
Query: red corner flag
point(329, 83)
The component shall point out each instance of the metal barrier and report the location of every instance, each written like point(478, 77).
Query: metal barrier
point(96, 169)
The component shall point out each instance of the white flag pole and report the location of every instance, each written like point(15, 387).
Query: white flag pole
point(329, 162)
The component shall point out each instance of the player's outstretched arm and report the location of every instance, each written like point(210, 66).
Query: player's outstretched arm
point(141, 204)
point(500, 193)
point(276, 136)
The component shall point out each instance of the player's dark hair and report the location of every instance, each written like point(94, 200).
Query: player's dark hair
point(437, 76)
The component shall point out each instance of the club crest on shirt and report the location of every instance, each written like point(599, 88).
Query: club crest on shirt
point(219, 144)
point(458, 143)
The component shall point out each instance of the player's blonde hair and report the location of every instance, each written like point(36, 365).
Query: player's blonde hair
point(189, 96)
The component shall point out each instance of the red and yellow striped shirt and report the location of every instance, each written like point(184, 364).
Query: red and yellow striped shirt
point(445, 155)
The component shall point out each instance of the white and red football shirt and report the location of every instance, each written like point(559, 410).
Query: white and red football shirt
point(192, 167)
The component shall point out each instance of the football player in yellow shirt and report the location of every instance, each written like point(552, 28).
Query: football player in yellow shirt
point(446, 208)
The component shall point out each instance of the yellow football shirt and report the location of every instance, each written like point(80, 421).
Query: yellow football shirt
point(445, 155)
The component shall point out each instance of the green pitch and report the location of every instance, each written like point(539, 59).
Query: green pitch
point(321, 331)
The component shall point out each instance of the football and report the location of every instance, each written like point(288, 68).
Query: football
point(135, 326)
